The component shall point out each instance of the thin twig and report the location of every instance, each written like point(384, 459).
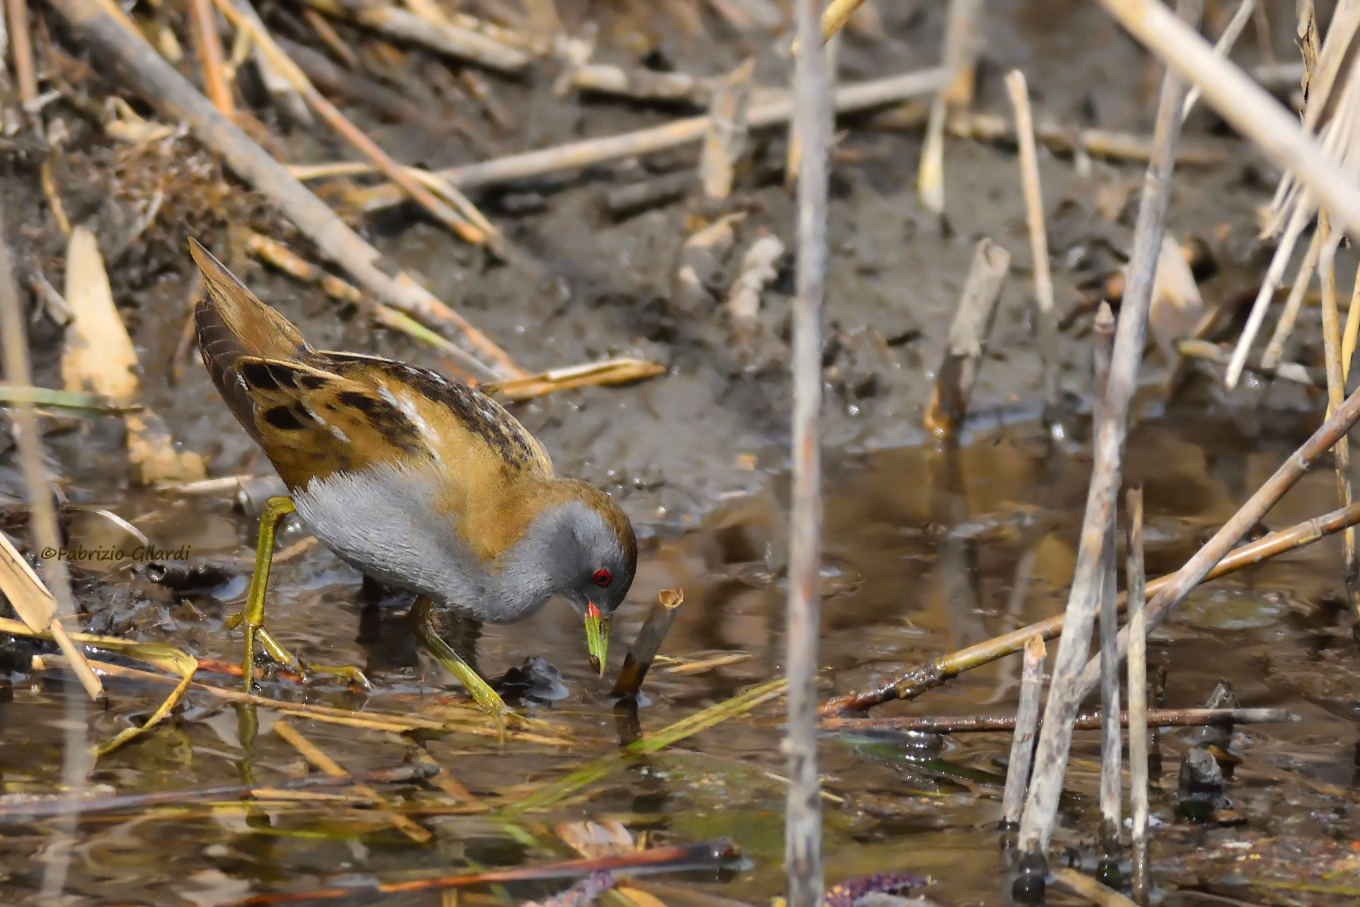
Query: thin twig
point(1336, 393)
point(209, 48)
point(803, 820)
point(35, 808)
point(1293, 304)
point(1138, 717)
point(1055, 739)
point(1026, 726)
point(1085, 721)
point(648, 642)
point(1038, 232)
point(861, 96)
point(1223, 46)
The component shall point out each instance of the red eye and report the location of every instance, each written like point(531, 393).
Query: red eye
point(601, 577)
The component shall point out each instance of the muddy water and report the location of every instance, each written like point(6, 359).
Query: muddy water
point(926, 552)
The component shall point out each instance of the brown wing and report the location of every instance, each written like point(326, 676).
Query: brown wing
point(454, 411)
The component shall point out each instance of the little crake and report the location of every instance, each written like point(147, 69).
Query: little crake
point(416, 480)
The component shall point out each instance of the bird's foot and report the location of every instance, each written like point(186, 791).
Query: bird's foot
point(480, 691)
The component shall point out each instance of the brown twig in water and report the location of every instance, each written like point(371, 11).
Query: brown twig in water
point(1055, 738)
point(1038, 233)
point(575, 155)
point(648, 642)
point(1138, 718)
point(1085, 721)
point(925, 677)
point(36, 808)
point(803, 814)
point(158, 82)
point(208, 46)
point(968, 335)
point(316, 757)
point(1026, 725)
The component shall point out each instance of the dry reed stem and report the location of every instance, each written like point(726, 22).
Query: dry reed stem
point(208, 46)
point(1018, 91)
point(1138, 717)
point(1103, 338)
point(1352, 330)
point(648, 642)
point(105, 28)
point(860, 96)
point(1336, 392)
point(803, 816)
point(313, 754)
point(1285, 371)
point(932, 674)
point(1269, 284)
point(1055, 739)
point(1026, 725)
point(21, 46)
point(1297, 295)
point(1195, 570)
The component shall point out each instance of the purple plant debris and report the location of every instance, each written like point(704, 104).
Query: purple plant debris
point(846, 893)
point(580, 894)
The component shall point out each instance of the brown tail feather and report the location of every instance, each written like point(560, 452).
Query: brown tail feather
point(233, 323)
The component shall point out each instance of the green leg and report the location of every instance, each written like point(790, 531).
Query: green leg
point(251, 614)
point(422, 617)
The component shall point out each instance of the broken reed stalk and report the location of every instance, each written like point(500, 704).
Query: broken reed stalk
point(1018, 90)
point(860, 96)
point(442, 36)
point(1170, 593)
point(803, 818)
point(1086, 721)
point(1138, 718)
point(968, 338)
point(1245, 105)
point(932, 674)
point(21, 43)
point(1055, 740)
point(1026, 725)
point(654, 629)
point(1110, 739)
point(62, 806)
point(164, 88)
